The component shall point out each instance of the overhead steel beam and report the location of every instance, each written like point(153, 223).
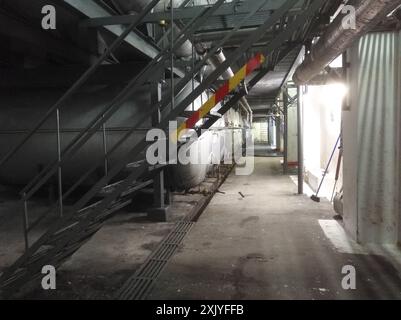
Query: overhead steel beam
point(310, 11)
point(243, 33)
point(92, 10)
point(230, 9)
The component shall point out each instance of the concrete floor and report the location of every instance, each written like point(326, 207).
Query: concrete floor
point(268, 245)
point(264, 150)
point(102, 265)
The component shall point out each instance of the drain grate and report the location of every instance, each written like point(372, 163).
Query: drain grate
point(139, 285)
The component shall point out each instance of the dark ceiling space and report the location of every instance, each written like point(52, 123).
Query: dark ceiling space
point(28, 45)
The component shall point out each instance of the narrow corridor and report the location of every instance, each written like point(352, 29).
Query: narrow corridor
point(268, 245)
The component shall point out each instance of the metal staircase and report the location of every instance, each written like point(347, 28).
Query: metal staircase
point(78, 222)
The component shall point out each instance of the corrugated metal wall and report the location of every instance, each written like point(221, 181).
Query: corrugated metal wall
point(377, 67)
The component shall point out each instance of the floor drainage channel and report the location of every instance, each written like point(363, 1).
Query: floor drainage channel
point(139, 285)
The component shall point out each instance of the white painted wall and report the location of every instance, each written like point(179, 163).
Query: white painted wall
point(322, 126)
point(259, 130)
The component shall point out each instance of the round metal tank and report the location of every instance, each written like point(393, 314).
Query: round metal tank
point(22, 110)
point(212, 147)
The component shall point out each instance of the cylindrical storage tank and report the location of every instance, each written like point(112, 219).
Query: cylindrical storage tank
point(198, 153)
point(185, 176)
point(22, 110)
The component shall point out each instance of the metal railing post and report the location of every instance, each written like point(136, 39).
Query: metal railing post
point(106, 164)
point(285, 107)
point(59, 173)
point(26, 223)
point(193, 73)
point(172, 53)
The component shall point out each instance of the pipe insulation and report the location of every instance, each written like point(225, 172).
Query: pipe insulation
point(217, 59)
point(339, 36)
point(186, 49)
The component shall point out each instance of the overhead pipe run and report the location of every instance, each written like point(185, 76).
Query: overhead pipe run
point(217, 59)
point(245, 105)
point(185, 50)
point(340, 36)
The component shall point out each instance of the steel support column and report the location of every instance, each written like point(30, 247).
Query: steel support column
point(278, 133)
point(285, 109)
point(159, 212)
point(300, 143)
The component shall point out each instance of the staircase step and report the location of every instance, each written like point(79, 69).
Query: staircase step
point(39, 254)
point(151, 168)
point(134, 187)
point(188, 114)
point(79, 230)
point(135, 164)
point(13, 277)
point(75, 221)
